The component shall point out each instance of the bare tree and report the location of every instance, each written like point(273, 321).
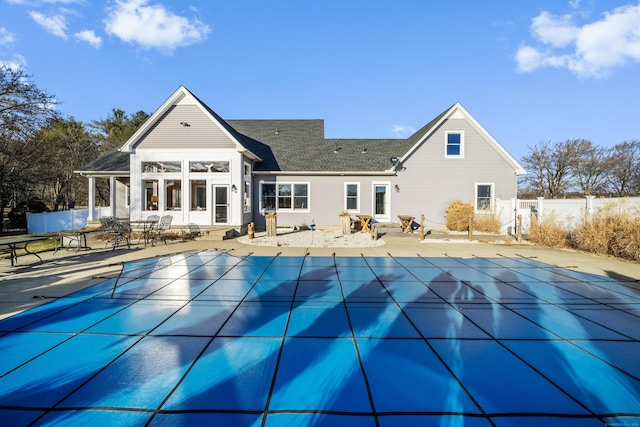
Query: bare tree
point(551, 167)
point(590, 168)
point(23, 109)
point(625, 163)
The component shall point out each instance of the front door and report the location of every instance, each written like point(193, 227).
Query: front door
point(220, 204)
point(381, 202)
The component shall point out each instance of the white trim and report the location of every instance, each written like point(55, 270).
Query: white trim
point(327, 173)
point(292, 183)
point(446, 144)
point(387, 216)
point(459, 109)
point(492, 197)
point(357, 209)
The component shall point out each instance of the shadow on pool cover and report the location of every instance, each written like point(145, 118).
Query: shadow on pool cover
point(214, 339)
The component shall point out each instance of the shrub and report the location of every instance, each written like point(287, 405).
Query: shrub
point(610, 233)
point(547, 233)
point(458, 213)
point(489, 223)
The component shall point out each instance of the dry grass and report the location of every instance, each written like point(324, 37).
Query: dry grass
point(610, 233)
point(547, 233)
point(458, 213)
point(488, 223)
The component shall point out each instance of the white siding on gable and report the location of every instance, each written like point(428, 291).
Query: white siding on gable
point(185, 126)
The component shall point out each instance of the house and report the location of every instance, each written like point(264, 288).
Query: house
point(189, 162)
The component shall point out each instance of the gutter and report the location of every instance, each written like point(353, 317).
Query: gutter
point(327, 173)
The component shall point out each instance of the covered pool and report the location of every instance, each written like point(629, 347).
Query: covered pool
point(213, 339)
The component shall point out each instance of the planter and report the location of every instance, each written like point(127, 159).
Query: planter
point(345, 224)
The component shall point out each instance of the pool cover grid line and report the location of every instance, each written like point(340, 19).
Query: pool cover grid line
point(271, 341)
point(204, 349)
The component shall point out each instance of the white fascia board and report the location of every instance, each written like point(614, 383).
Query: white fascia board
point(458, 108)
point(327, 173)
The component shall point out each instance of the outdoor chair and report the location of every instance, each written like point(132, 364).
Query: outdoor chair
point(119, 235)
point(163, 226)
point(194, 231)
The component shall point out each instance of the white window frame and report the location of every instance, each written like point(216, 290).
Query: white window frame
point(293, 184)
point(492, 197)
point(247, 188)
point(446, 144)
point(357, 209)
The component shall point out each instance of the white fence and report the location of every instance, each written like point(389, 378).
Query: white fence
point(567, 212)
point(51, 222)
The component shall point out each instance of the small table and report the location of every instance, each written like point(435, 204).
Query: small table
point(365, 222)
point(13, 244)
point(406, 223)
point(79, 236)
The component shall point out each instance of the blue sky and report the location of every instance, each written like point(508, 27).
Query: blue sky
point(526, 70)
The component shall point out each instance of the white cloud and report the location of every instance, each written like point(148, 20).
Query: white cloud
point(152, 26)
point(6, 37)
point(90, 37)
point(56, 24)
point(591, 50)
point(401, 130)
point(17, 63)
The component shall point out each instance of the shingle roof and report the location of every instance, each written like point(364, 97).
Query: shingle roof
point(299, 145)
point(111, 162)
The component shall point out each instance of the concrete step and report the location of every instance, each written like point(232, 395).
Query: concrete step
point(216, 233)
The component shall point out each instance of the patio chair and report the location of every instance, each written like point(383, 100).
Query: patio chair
point(163, 226)
point(194, 231)
point(119, 235)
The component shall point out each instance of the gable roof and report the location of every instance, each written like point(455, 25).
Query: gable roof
point(182, 95)
point(299, 146)
point(457, 110)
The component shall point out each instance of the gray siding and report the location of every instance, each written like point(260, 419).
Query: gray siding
point(202, 132)
point(327, 198)
point(430, 181)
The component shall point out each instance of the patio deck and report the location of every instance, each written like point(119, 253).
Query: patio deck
point(211, 338)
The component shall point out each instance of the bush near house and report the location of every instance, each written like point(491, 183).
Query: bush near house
point(487, 222)
point(457, 215)
point(457, 218)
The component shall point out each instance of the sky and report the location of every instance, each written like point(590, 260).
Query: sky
point(527, 70)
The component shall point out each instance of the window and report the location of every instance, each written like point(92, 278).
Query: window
point(198, 194)
point(150, 195)
point(454, 144)
point(173, 194)
point(209, 166)
point(161, 167)
point(484, 197)
point(287, 196)
point(247, 196)
point(351, 197)
point(247, 188)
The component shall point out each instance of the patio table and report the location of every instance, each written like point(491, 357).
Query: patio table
point(13, 245)
point(79, 236)
point(365, 222)
point(406, 222)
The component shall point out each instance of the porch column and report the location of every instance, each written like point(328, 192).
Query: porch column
point(92, 198)
point(112, 196)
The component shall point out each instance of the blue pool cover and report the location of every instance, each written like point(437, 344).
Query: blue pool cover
point(213, 339)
